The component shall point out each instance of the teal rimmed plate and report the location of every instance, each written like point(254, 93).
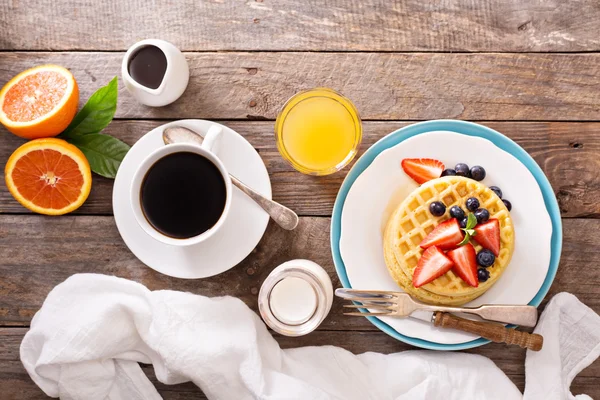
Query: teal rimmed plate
point(454, 127)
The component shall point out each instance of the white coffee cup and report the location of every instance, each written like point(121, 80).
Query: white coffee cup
point(173, 83)
point(206, 150)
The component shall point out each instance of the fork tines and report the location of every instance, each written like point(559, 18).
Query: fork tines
point(380, 302)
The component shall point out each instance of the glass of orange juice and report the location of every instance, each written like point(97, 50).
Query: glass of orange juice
point(318, 131)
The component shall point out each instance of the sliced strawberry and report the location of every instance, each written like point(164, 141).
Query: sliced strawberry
point(488, 235)
point(422, 169)
point(432, 264)
point(446, 235)
point(465, 263)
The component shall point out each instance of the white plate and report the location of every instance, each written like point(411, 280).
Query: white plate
point(383, 185)
point(241, 232)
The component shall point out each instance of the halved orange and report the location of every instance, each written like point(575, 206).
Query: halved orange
point(48, 176)
point(39, 102)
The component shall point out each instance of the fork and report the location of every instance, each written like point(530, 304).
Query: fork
point(399, 304)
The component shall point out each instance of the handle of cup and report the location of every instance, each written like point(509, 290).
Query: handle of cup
point(212, 139)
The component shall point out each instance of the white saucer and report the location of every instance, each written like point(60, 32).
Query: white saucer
point(383, 185)
point(239, 235)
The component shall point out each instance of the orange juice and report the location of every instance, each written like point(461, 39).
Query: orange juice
point(318, 131)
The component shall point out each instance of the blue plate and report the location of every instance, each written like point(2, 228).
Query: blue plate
point(466, 128)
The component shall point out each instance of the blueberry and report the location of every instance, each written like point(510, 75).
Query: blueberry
point(472, 204)
point(482, 215)
point(457, 212)
point(462, 170)
point(483, 274)
point(448, 172)
point(496, 190)
point(485, 258)
point(507, 203)
point(437, 208)
point(478, 173)
point(463, 222)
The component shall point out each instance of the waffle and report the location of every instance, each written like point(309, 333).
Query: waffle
point(419, 293)
point(412, 221)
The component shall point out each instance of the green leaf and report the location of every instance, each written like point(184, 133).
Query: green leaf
point(469, 231)
point(471, 221)
point(465, 240)
point(103, 152)
point(96, 114)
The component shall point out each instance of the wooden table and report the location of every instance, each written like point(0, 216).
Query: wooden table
point(531, 70)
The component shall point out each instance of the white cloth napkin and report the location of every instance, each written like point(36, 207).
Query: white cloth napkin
point(571, 333)
point(92, 330)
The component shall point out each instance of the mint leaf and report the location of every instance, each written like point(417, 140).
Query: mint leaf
point(96, 114)
point(471, 221)
point(103, 152)
point(465, 240)
point(469, 231)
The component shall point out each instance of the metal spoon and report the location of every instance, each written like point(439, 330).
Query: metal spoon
point(282, 215)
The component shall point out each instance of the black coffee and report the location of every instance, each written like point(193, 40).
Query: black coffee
point(183, 195)
point(147, 66)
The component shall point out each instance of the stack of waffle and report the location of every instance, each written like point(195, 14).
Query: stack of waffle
point(411, 222)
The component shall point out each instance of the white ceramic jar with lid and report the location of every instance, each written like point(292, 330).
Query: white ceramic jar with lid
point(296, 297)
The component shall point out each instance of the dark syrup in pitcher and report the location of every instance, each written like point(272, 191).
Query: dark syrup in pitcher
point(147, 66)
point(183, 195)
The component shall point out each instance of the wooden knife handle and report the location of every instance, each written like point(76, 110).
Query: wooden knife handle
point(491, 331)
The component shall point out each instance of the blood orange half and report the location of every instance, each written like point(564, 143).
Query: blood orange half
point(39, 102)
point(48, 176)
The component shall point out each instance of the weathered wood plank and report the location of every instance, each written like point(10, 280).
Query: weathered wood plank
point(384, 86)
point(567, 152)
point(339, 25)
point(40, 252)
point(509, 359)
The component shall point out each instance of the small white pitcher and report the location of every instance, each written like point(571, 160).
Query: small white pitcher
point(174, 81)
